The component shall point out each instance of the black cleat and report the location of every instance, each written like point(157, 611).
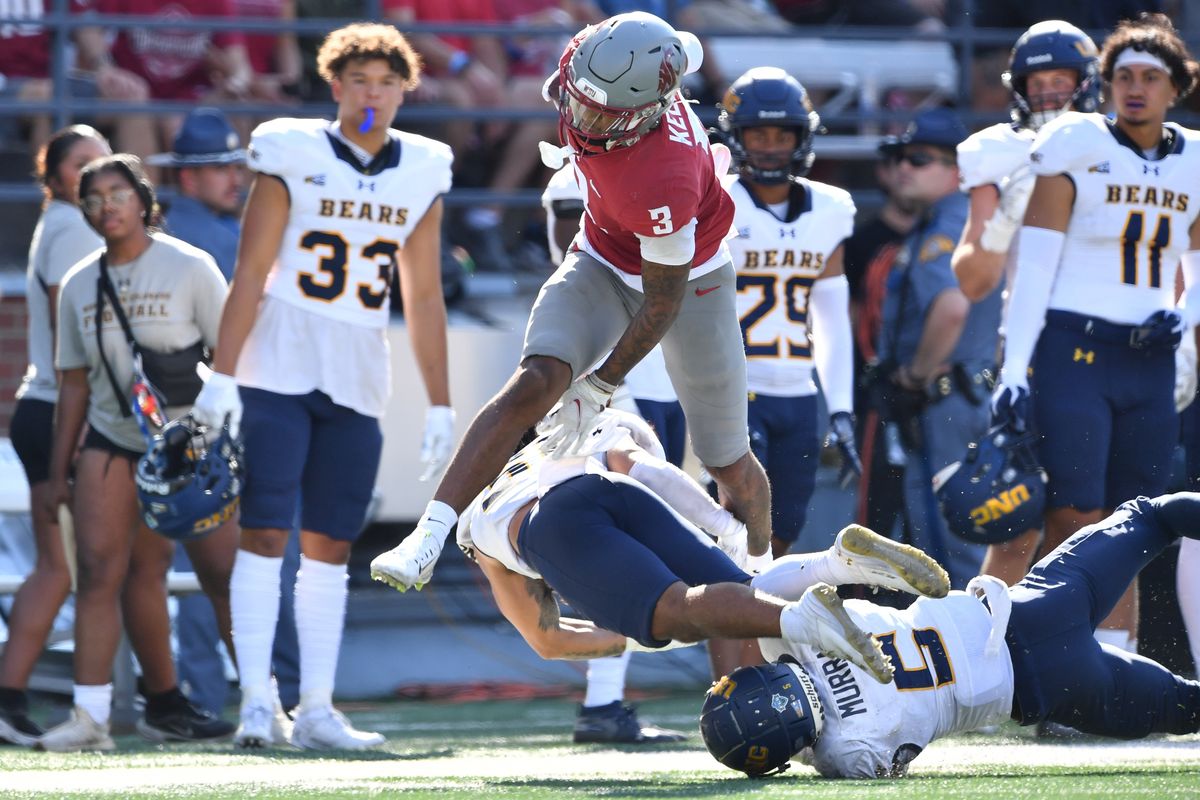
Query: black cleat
point(618, 724)
point(177, 719)
point(17, 728)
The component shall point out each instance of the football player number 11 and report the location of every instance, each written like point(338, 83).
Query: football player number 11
point(1132, 237)
point(328, 283)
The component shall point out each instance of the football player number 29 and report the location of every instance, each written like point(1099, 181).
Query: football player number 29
point(1131, 240)
point(328, 283)
point(795, 307)
point(934, 669)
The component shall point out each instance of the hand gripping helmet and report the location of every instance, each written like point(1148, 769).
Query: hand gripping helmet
point(755, 719)
point(1052, 44)
point(768, 96)
point(187, 487)
point(616, 78)
point(998, 490)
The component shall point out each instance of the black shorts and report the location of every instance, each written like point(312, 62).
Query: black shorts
point(32, 433)
point(95, 440)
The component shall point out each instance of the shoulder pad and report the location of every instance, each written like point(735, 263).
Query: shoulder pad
point(992, 154)
point(836, 203)
point(1071, 142)
point(435, 156)
point(279, 146)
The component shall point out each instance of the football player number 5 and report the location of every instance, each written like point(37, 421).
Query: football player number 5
point(328, 283)
point(933, 671)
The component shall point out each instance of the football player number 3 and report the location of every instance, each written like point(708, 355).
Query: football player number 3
point(661, 217)
point(1131, 240)
point(328, 283)
point(934, 670)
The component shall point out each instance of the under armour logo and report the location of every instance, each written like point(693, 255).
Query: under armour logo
point(1086, 356)
point(366, 185)
point(786, 232)
point(1148, 169)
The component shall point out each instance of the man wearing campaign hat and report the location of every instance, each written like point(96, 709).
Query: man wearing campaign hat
point(937, 350)
point(209, 156)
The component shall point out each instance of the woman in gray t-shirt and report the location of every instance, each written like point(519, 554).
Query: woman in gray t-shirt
point(62, 237)
point(171, 294)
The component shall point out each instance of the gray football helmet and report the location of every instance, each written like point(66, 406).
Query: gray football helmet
point(616, 78)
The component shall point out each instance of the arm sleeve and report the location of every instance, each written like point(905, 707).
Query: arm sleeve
point(830, 301)
point(673, 249)
point(1190, 263)
point(70, 353)
point(1037, 264)
point(683, 494)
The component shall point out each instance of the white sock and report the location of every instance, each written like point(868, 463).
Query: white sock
point(790, 576)
point(254, 607)
point(95, 700)
point(606, 680)
point(1114, 637)
point(480, 218)
point(1187, 585)
point(320, 616)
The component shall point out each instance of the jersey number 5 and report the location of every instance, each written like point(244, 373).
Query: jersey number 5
point(329, 282)
point(1131, 239)
point(935, 670)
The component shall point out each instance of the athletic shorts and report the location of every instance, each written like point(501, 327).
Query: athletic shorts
point(32, 433)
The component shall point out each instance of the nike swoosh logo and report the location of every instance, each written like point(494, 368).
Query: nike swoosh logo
point(701, 292)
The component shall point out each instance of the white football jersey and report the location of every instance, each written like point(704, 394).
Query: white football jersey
point(945, 683)
point(346, 226)
point(777, 261)
point(991, 155)
point(1131, 218)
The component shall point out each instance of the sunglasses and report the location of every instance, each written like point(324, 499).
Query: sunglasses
point(919, 159)
point(94, 202)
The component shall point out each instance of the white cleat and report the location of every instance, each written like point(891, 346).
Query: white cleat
point(262, 725)
point(819, 620)
point(874, 560)
point(79, 733)
point(326, 728)
point(410, 563)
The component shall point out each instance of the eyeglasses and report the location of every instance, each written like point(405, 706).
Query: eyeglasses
point(94, 202)
point(920, 159)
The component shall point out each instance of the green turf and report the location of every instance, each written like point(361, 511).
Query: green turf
point(522, 750)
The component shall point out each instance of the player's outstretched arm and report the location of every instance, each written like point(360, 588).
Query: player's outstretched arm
point(530, 606)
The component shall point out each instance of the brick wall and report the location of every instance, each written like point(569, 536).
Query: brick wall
point(13, 354)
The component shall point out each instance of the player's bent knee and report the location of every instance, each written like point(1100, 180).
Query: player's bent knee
point(266, 542)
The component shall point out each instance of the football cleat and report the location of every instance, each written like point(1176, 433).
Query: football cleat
point(182, 721)
point(16, 727)
point(262, 725)
point(326, 728)
point(873, 560)
point(409, 564)
point(819, 620)
point(79, 733)
point(618, 724)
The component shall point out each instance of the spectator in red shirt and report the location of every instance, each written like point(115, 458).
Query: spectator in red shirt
point(274, 57)
point(25, 76)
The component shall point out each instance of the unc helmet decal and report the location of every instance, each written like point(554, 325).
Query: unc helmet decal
point(768, 96)
point(187, 486)
point(756, 718)
point(1052, 44)
point(997, 491)
point(616, 78)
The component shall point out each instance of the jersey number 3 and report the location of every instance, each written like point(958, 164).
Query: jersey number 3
point(329, 282)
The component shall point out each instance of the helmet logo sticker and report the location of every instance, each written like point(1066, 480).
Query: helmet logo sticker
point(591, 90)
point(780, 703)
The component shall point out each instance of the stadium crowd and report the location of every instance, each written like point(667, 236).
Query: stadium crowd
point(1009, 341)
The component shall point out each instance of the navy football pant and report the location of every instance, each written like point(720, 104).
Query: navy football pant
point(611, 548)
point(1060, 671)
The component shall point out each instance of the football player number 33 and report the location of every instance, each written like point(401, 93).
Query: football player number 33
point(328, 283)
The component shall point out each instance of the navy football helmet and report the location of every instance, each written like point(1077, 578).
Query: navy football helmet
point(187, 487)
point(768, 96)
point(1052, 44)
point(998, 490)
point(755, 719)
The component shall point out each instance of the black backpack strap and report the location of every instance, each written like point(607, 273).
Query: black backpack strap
point(104, 287)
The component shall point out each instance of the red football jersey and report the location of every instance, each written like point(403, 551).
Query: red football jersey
point(25, 46)
point(653, 188)
point(173, 62)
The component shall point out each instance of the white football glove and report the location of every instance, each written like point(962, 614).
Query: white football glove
point(218, 400)
point(756, 564)
point(1015, 190)
point(1185, 371)
point(733, 544)
point(438, 442)
point(410, 564)
point(570, 422)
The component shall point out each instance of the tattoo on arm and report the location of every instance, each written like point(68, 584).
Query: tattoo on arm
point(547, 605)
point(663, 288)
